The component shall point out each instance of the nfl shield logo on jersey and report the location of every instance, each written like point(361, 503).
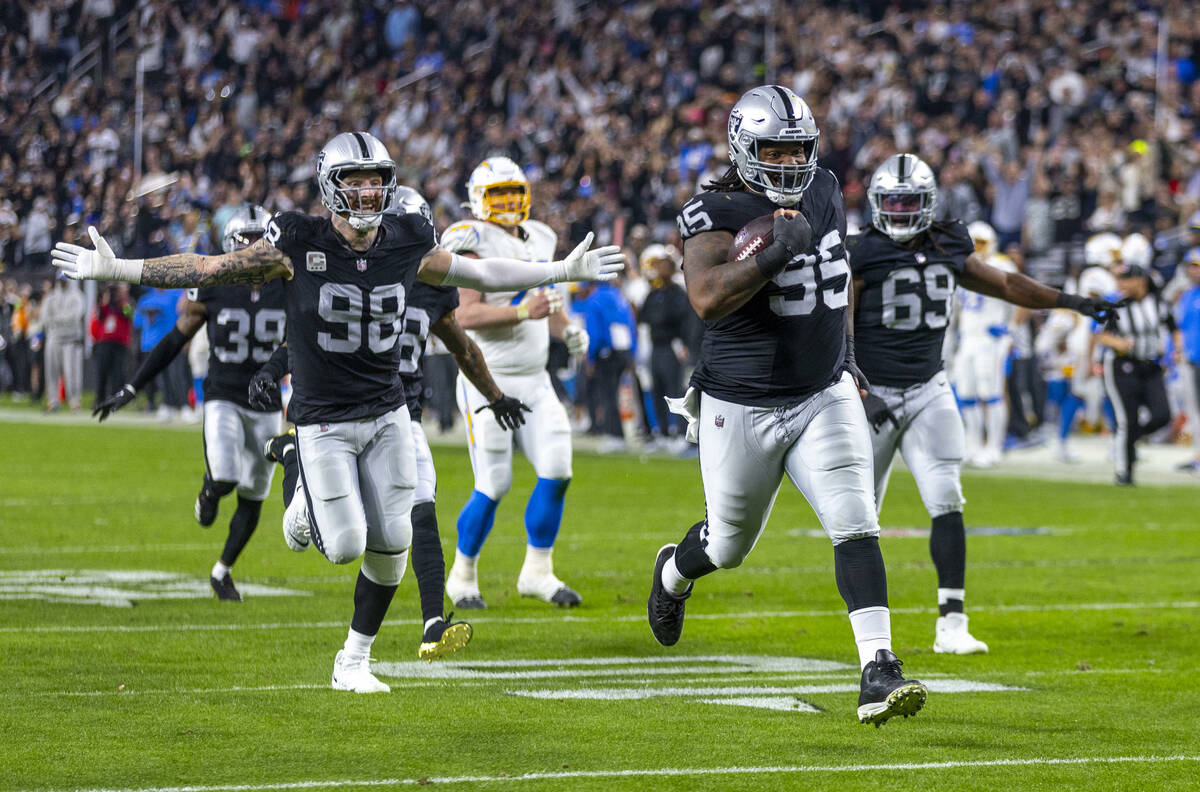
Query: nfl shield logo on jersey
point(362, 265)
point(719, 421)
point(315, 261)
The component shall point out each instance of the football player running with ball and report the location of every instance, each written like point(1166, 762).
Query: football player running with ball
point(513, 330)
point(346, 278)
point(906, 269)
point(775, 392)
point(245, 324)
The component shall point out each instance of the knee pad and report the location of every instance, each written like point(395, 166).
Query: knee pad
point(344, 547)
point(385, 569)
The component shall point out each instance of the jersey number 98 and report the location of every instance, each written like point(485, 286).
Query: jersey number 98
point(341, 305)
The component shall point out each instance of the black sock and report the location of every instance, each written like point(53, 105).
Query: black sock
point(948, 548)
point(371, 602)
point(291, 472)
point(218, 489)
point(429, 565)
point(861, 577)
point(690, 558)
point(241, 528)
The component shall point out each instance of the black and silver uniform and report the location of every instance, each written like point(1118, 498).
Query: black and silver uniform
point(245, 325)
point(904, 301)
point(345, 310)
point(787, 342)
point(426, 306)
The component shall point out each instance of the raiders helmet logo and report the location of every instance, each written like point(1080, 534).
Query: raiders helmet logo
point(315, 261)
point(735, 123)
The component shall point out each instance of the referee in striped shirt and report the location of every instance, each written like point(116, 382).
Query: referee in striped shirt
point(1133, 376)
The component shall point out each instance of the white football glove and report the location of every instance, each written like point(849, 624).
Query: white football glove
point(79, 263)
point(555, 298)
point(601, 264)
point(576, 339)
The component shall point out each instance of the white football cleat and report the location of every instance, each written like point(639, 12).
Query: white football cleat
point(951, 636)
point(296, 528)
point(547, 588)
point(353, 673)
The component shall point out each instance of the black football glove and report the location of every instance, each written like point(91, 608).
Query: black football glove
point(790, 237)
point(1103, 311)
point(115, 402)
point(507, 411)
point(878, 412)
point(262, 391)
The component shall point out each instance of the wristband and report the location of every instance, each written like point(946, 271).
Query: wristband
point(773, 260)
point(522, 312)
point(1071, 301)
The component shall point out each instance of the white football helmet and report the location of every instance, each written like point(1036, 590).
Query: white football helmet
point(406, 200)
point(1102, 250)
point(984, 237)
point(903, 194)
point(1097, 282)
point(354, 151)
point(656, 252)
point(773, 114)
point(1136, 250)
point(244, 228)
point(489, 177)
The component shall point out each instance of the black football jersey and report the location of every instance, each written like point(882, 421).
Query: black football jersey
point(787, 342)
point(345, 314)
point(905, 300)
point(245, 325)
point(426, 306)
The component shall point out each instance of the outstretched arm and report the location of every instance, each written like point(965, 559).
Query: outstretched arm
point(1024, 291)
point(258, 263)
point(443, 268)
point(508, 411)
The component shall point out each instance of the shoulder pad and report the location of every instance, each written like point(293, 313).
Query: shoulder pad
point(463, 237)
point(540, 228)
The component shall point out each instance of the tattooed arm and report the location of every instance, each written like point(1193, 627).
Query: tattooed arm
point(258, 263)
point(716, 286)
point(467, 355)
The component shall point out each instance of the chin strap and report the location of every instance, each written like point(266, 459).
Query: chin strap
point(364, 223)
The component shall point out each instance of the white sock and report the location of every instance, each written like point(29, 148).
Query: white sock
point(538, 561)
point(464, 566)
point(872, 631)
point(671, 579)
point(945, 595)
point(432, 622)
point(219, 570)
point(997, 426)
point(358, 644)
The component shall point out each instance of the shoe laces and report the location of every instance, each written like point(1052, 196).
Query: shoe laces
point(891, 668)
point(668, 604)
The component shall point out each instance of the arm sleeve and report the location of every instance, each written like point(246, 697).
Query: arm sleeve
point(159, 358)
point(501, 274)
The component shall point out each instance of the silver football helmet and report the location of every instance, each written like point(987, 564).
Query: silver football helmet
point(406, 200)
point(903, 195)
point(773, 114)
point(244, 228)
point(355, 151)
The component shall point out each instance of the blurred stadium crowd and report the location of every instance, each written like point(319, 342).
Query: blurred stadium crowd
point(1050, 121)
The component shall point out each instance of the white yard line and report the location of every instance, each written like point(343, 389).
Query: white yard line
point(665, 771)
point(108, 549)
point(500, 620)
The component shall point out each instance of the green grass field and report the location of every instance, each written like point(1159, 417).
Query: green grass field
point(1086, 593)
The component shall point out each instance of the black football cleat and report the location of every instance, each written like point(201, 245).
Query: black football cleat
point(444, 637)
point(206, 506)
point(224, 588)
point(279, 446)
point(566, 597)
point(886, 693)
point(1124, 480)
point(665, 609)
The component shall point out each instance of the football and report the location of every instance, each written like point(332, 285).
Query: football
point(753, 238)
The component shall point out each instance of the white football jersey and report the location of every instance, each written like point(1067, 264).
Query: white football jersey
point(977, 314)
point(521, 348)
